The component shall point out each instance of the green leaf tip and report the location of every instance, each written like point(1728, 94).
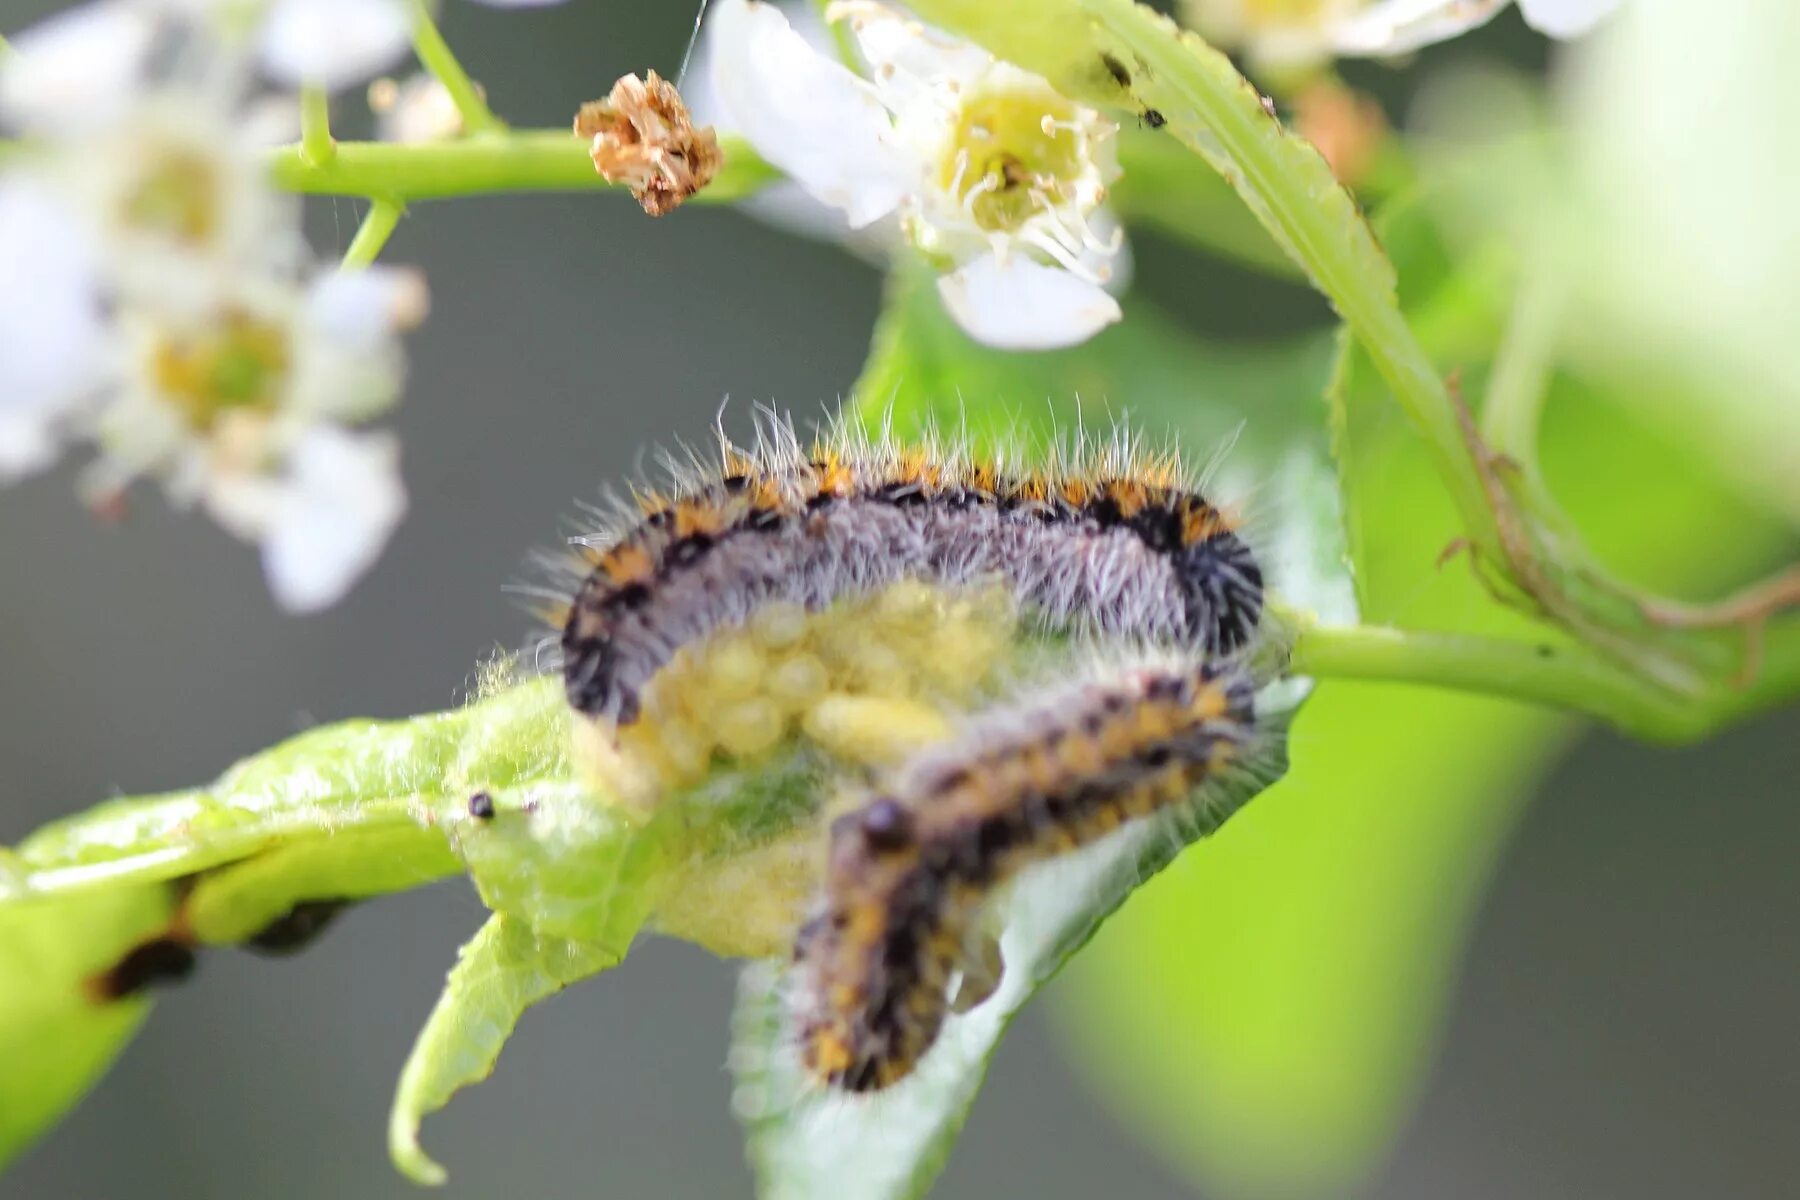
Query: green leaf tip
point(503, 970)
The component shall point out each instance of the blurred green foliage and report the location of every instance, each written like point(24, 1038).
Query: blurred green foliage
point(1264, 1011)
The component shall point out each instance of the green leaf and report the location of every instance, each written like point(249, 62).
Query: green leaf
point(341, 812)
point(350, 777)
point(56, 1039)
point(1166, 187)
point(502, 971)
point(1145, 370)
point(571, 882)
point(1279, 1052)
point(923, 371)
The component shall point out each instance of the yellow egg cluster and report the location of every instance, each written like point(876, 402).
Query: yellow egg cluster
point(869, 679)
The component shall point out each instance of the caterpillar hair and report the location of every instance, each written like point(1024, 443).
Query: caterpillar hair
point(1106, 539)
point(909, 869)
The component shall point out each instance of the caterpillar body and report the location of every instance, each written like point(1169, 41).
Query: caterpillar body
point(909, 869)
point(792, 584)
point(1113, 542)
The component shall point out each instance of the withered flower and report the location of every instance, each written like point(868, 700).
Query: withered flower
point(642, 136)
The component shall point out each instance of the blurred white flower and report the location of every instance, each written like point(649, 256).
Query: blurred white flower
point(331, 515)
point(1288, 32)
point(180, 199)
point(226, 410)
point(415, 109)
point(78, 70)
point(203, 401)
point(994, 175)
point(333, 43)
point(51, 327)
point(154, 300)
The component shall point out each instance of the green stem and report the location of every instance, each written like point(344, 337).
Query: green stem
point(436, 56)
point(317, 146)
point(1561, 676)
point(373, 234)
point(1520, 379)
point(514, 161)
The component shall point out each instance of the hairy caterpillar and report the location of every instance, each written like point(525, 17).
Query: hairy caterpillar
point(704, 610)
point(909, 868)
point(1109, 540)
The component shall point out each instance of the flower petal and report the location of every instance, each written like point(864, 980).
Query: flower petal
point(363, 308)
point(51, 330)
point(77, 70)
point(333, 43)
point(805, 113)
point(1402, 26)
point(1565, 18)
point(907, 58)
point(341, 501)
point(1023, 304)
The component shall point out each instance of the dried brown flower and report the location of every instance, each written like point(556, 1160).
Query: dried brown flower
point(641, 136)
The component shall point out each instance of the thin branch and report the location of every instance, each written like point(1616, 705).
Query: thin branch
point(377, 226)
point(1520, 378)
point(1561, 676)
point(436, 56)
point(514, 161)
point(316, 143)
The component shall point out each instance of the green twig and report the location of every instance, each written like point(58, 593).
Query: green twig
point(512, 161)
point(316, 143)
point(1520, 379)
point(436, 56)
point(1561, 676)
point(377, 226)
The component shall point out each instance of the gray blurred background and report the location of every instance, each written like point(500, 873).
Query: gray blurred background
point(1625, 1025)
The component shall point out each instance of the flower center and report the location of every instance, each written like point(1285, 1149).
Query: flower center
point(177, 197)
point(237, 365)
point(1012, 154)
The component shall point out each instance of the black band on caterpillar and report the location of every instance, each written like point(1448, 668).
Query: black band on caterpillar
point(909, 869)
point(1117, 546)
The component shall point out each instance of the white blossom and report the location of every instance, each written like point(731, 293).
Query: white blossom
point(336, 43)
point(331, 515)
point(179, 196)
point(221, 407)
point(51, 326)
point(79, 69)
point(1283, 32)
point(160, 303)
point(415, 109)
point(991, 173)
point(203, 400)
point(333, 43)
